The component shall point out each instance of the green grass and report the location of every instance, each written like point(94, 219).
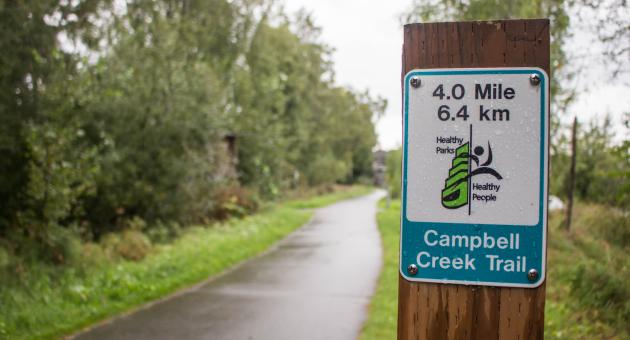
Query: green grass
point(382, 318)
point(588, 295)
point(50, 306)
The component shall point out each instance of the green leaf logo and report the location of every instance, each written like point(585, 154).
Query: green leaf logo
point(455, 192)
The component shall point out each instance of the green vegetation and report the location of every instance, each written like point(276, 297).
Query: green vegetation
point(153, 114)
point(48, 301)
point(393, 172)
point(383, 313)
point(602, 167)
point(123, 123)
point(588, 296)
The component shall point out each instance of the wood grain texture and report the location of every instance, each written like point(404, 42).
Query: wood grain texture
point(445, 311)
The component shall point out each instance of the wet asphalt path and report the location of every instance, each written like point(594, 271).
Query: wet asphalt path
point(315, 284)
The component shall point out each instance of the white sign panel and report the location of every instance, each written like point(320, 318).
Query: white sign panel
point(502, 128)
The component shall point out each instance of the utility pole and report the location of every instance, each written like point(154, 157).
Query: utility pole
point(571, 175)
point(436, 310)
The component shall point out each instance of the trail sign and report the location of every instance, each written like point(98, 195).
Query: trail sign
point(475, 159)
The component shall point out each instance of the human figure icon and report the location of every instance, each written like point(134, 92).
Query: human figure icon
point(484, 168)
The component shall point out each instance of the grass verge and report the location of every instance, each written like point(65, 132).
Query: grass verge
point(383, 312)
point(588, 295)
point(49, 306)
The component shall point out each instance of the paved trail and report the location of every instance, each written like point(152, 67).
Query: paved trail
point(315, 284)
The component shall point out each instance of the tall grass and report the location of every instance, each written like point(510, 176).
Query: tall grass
point(588, 290)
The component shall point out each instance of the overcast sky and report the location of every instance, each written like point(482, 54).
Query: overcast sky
point(367, 37)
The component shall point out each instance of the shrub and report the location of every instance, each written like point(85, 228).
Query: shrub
point(233, 201)
point(134, 245)
point(136, 223)
point(5, 261)
point(594, 286)
point(615, 228)
point(325, 189)
point(393, 174)
point(109, 243)
point(92, 254)
point(161, 232)
point(327, 168)
point(130, 244)
point(61, 245)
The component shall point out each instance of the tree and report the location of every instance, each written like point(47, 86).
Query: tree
point(38, 144)
point(125, 121)
point(290, 118)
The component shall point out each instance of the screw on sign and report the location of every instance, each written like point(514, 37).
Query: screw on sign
point(532, 275)
point(475, 180)
point(415, 82)
point(534, 79)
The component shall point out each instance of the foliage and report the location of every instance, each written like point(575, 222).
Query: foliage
point(114, 118)
point(596, 287)
point(587, 275)
point(287, 91)
point(112, 112)
point(602, 167)
point(46, 163)
point(394, 172)
point(50, 302)
point(131, 245)
point(234, 201)
point(591, 274)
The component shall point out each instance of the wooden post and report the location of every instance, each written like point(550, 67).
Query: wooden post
point(571, 175)
point(447, 311)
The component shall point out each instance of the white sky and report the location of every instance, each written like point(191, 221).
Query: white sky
point(367, 37)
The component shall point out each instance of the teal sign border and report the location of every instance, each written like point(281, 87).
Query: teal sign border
point(532, 237)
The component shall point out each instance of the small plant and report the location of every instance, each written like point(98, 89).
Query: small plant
point(134, 245)
point(92, 254)
point(234, 202)
point(595, 286)
point(131, 244)
point(162, 232)
point(61, 245)
point(615, 228)
point(5, 258)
